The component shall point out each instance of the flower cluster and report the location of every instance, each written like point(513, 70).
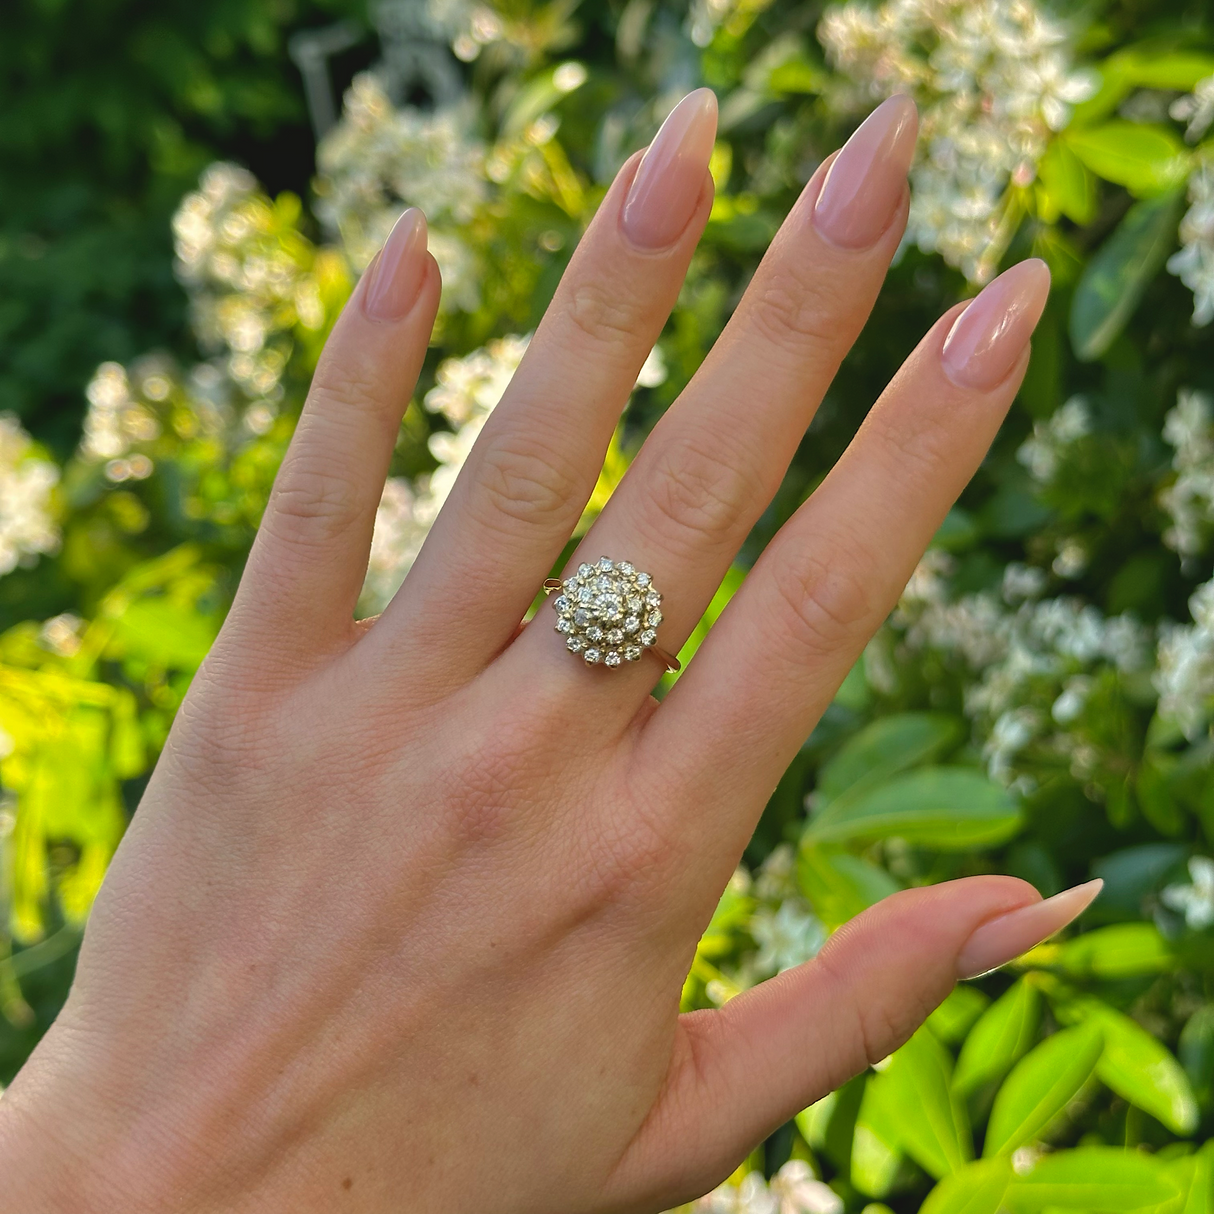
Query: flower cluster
point(1196, 109)
point(466, 392)
point(1189, 500)
point(1195, 901)
point(993, 80)
point(1194, 263)
point(379, 159)
point(1184, 677)
point(245, 267)
point(1035, 661)
point(794, 1189)
point(1043, 452)
point(27, 521)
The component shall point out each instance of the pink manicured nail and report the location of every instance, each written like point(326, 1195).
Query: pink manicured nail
point(864, 184)
point(987, 339)
point(997, 941)
point(396, 276)
point(670, 177)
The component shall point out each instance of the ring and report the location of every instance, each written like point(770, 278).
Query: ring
point(609, 612)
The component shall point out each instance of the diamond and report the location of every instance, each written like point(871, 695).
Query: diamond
point(585, 596)
point(585, 570)
point(608, 612)
point(653, 599)
point(606, 564)
point(648, 636)
point(594, 633)
point(612, 658)
point(633, 652)
point(573, 644)
point(615, 636)
point(562, 604)
point(582, 617)
point(643, 579)
point(591, 655)
point(654, 618)
point(632, 623)
point(564, 624)
point(626, 568)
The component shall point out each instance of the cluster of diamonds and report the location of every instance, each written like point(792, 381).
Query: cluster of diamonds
point(608, 612)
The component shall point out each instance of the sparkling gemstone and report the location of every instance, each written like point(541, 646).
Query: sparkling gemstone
point(643, 579)
point(604, 584)
point(594, 633)
point(606, 564)
point(592, 655)
point(585, 570)
point(612, 658)
point(633, 652)
point(626, 568)
point(648, 636)
point(585, 596)
point(574, 644)
point(582, 617)
point(634, 603)
point(632, 623)
point(564, 624)
point(654, 618)
point(608, 612)
point(610, 607)
point(653, 599)
point(615, 636)
point(562, 604)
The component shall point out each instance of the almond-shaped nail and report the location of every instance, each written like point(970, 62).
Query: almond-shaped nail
point(865, 182)
point(1000, 940)
point(396, 277)
point(670, 177)
point(988, 338)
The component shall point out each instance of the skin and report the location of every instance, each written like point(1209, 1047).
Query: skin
point(403, 918)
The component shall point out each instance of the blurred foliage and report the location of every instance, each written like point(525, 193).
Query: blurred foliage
point(1040, 702)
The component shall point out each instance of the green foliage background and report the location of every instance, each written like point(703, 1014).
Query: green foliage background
point(1080, 1078)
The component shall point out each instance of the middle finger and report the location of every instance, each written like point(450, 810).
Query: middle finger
point(715, 460)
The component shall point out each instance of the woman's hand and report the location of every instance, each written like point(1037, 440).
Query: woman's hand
point(403, 918)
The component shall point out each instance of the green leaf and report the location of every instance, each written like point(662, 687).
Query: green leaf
point(1068, 183)
point(1002, 1035)
point(918, 1076)
point(950, 808)
point(839, 885)
point(1137, 1066)
point(1125, 950)
point(1142, 66)
point(979, 1188)
point(1040, 1086)
point(1091, 1178)
point(165, 633)
point(875, 1158)
point(1196, 1052)
point(956, 1015)
point(1147, 160)
point(885, 748)
point(1117, 275)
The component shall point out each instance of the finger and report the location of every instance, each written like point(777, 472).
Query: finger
point(535, 464)
point(715, 460)
point(310, 556)
point(740, 1072)
point(825, 584)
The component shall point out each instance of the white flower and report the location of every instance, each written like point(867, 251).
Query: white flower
point(27, 524)
point(1184, 676)
point(1194, 263)
point(993, 79)
point(1043, 452)
point(1196, 901)
point(1196, 108)
point(792, 1190)
point(1189, 500)
point(786, 937)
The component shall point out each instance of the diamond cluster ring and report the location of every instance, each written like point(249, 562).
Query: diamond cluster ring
point(609, 613)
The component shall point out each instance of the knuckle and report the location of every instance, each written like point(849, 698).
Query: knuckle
point(605, 316)
point(822, 605)
point(791, 312)
point(344, 386)
point(695, 494)
point(520, 480)
point(312, 504)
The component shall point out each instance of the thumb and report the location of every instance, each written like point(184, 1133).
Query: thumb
point(739, 1072)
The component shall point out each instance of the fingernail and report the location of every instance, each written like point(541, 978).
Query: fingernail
point(396, 276)
point(987, 339)
point(998, 941)
point(864, 184)
point(667, 185)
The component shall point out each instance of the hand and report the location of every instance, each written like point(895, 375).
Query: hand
point(402, 920)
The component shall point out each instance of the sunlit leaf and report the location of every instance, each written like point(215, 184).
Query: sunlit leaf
point(1040, 1086)
point(954, 1018)
point(1147, 160)
point(1068, 183)
point(978, 1188)
point(1002, 1034)
point(1091, 1178)
point(839, 885)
